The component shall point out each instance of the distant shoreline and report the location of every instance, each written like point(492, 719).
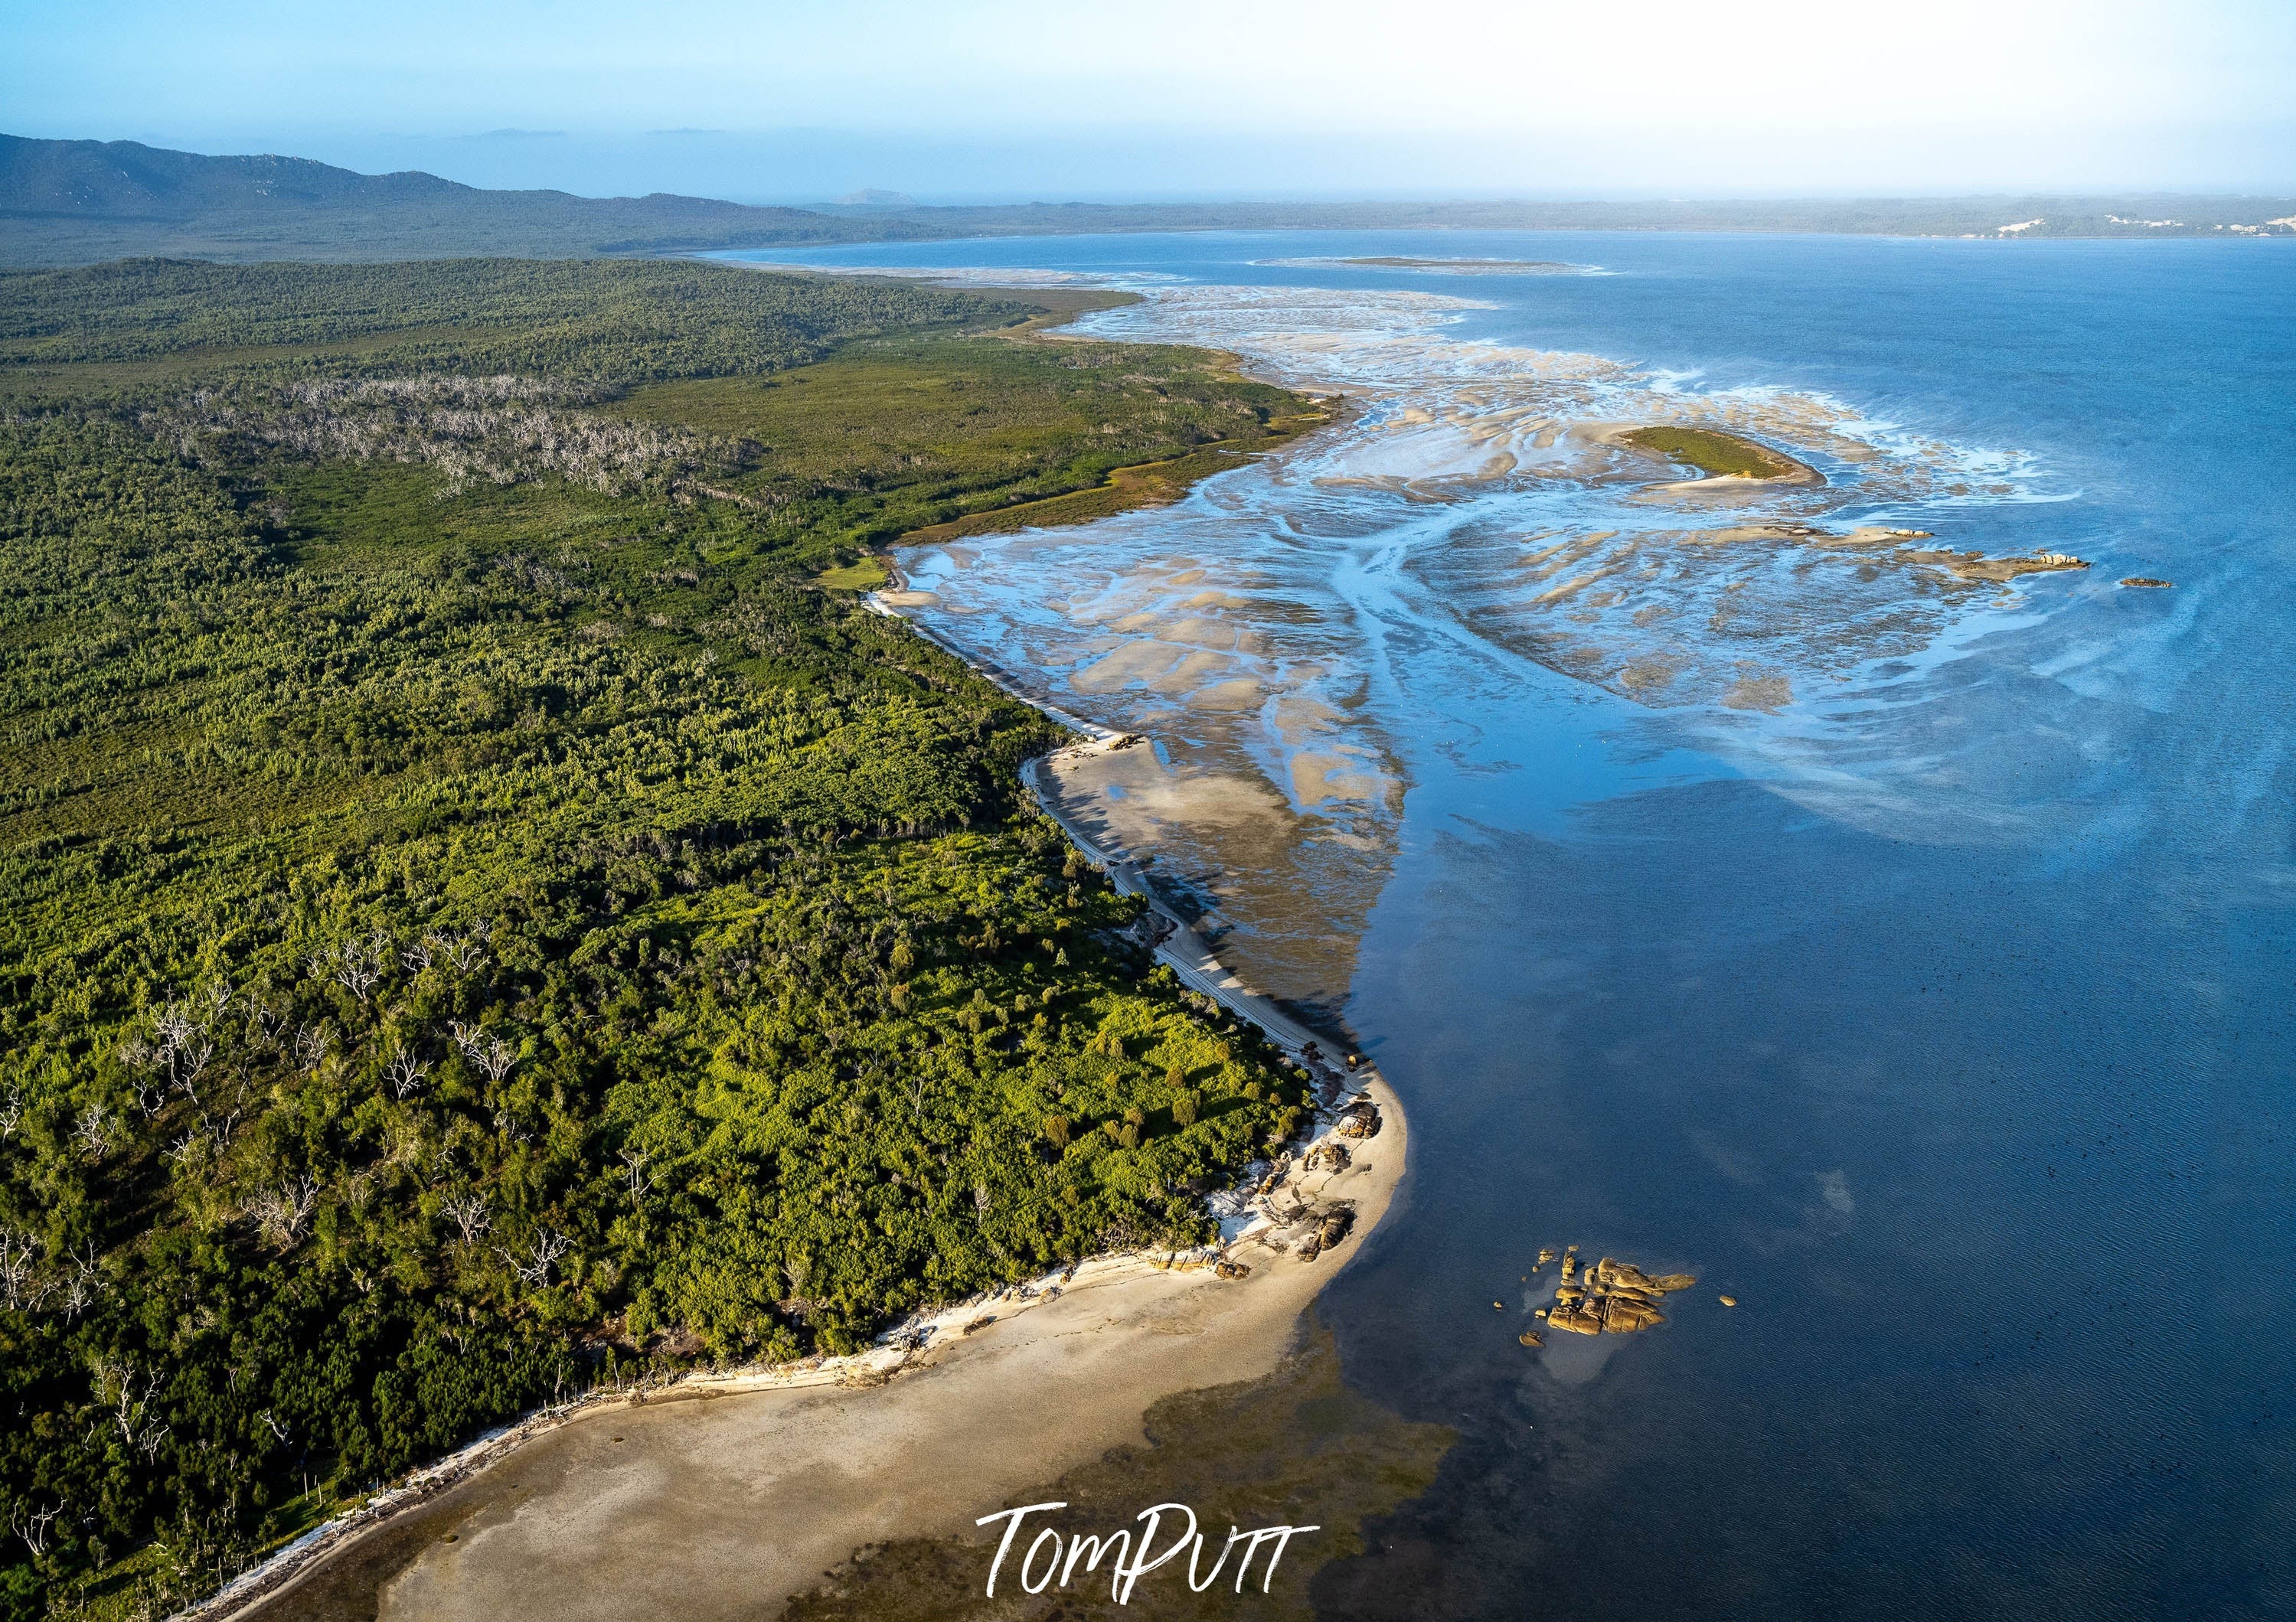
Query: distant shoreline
point(66, 202)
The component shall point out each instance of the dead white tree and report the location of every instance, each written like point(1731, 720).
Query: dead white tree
point(269, 1024)
point(128, 1397)
point(84, 1283)
point(405, 1073)
point(357, 965)
point(97, 1130)
point(32, 1526)
point(218, 994)
point(468, 1213)
point(635, 1159)
point(462, 949)
point(541, 1256)
point(310, 1048)
point(174, 1027)
point(12, 1115)
point(281, 1213)
point(467, 1039)
point(496, 1058)
point(416, 955)
point(192, 1058)
point(179, 1050)
point(19, 1286)
point(221, 1126)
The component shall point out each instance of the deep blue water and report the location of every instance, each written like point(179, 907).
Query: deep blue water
point(1943, 1018)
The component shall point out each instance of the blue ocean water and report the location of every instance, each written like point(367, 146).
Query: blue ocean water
point(1934, 1001)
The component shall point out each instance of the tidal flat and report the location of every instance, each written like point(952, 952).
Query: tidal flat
point(1835, 893)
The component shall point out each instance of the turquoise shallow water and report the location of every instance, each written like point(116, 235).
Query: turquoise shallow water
point(1912, 962)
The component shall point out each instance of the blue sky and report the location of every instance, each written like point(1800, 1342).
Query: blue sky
point(1025, 98)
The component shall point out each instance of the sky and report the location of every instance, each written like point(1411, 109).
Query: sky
point(1010, 100)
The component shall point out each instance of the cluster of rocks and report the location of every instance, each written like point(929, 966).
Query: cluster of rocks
point(1360, 1119)
point(1608, 1296)
point(1329, 1231)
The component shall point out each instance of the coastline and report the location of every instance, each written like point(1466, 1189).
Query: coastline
point(727, 1495)
point(986, 1397)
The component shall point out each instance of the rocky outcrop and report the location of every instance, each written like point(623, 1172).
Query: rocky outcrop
point(1607, 1297)
point(1328, 1231)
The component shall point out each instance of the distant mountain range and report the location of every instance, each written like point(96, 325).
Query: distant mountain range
point(66, 202)
point(73, 202)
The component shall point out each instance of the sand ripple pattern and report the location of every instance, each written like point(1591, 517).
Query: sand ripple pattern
point(1477, 510)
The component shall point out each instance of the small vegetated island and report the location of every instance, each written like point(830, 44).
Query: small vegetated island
point(1719, 454)
point(485, 907)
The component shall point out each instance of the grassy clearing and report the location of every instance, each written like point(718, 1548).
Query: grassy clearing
point(866, 575)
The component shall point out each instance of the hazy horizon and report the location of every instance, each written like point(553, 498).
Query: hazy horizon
point(1022, 101)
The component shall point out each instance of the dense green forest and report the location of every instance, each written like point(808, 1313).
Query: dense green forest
point(480, 916)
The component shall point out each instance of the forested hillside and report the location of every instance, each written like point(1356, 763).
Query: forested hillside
point(479, 917)
point(76, 202)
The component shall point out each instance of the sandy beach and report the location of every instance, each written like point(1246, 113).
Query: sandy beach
point(702, 1505)
point(724, 1507)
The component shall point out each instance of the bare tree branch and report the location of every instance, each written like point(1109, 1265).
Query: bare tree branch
point(635, 1159)
point(32, 1526)
point(468, 1213)
point(20, 1287)
point(97, 1129)
point(405, 1073)
point(549, 1245)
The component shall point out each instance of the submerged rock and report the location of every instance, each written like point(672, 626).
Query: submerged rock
point(1531, 1337)
point(1977, 566)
